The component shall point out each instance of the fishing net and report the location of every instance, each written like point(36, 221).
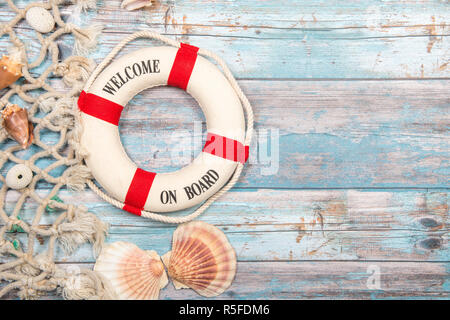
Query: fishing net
point(48, 90)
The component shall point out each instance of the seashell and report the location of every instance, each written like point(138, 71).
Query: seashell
point(132, 272)
point(40, 19)
point(16, 123)
point(10, 71)
point(201, 259)
point(131, 5)
point(19, 177)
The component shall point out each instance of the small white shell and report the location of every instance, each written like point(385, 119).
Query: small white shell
point(19, 176)
point(40, 19)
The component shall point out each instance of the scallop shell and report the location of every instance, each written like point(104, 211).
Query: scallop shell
point(135, 274)
point(16, 123)
point(201, 259)
point(10, 71)
point(131, 5)
point(40, 19)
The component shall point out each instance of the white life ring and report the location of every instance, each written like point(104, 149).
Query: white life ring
point(138, 190)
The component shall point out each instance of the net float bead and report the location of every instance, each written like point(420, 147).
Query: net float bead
point(19, 177)
point(40, 19)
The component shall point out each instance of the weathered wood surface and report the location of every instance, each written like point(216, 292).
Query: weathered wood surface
point(363, 174)
point(324, 280)
point(328, 134)
point(296, 39)
point(296, 225)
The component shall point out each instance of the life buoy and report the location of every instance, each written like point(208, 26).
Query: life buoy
point(101, 106)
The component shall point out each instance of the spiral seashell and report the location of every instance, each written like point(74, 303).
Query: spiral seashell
point(16, 123)
point(40, 19)
point(131, 5)
point(19, 177)
point(10, 71)
point(201, 259)
point(135, 274)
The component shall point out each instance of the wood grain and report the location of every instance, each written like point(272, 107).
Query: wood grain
point(363, 170)
point(323, 134)
point(293, 39)
point(324, 280)
point(296, 225)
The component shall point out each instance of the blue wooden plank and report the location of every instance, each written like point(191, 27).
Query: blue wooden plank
point(293, 39)
point(290, 225)
point(286, 245)
point(322, 280)
point(285, 210)
point(318, 134)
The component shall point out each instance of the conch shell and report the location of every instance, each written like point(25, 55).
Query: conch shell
point(131, 5)
point(201, 259)
point(16, 123)
point(135, 274)
point(10, 71)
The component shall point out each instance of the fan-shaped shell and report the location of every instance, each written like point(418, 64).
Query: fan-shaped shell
point(201, 258)
point(135, 274)
point(40, 19)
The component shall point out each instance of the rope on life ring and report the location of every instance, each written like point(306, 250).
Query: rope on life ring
point(248, 133)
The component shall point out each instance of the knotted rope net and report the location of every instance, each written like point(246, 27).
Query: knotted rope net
point(24, 270)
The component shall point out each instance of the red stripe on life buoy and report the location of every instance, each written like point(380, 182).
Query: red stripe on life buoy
point(100, 108)
point(226, 148)
point(182, 66)
point(138, 191)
